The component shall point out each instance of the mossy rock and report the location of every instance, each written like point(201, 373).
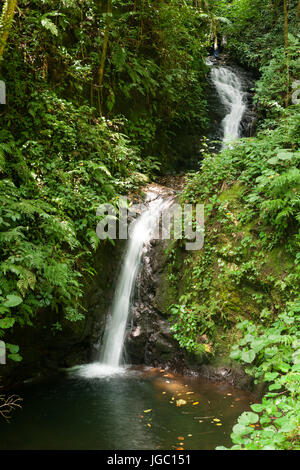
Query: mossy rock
point(232, 194)
point(167, 291)
point(277, 263)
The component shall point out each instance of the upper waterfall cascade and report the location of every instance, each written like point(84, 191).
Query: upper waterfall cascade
point(230, 90)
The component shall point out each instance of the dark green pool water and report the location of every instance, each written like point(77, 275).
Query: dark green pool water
point(74, 412)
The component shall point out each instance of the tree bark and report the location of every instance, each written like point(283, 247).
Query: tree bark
point(5, 23)
point(286, 46)
point(104, 50)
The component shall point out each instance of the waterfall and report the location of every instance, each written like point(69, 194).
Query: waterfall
point(230, 90)
point(143, 229)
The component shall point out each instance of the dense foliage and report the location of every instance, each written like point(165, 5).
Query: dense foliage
point(100, 95)
point(242, 291)
point(247, 279)
point(93, 90)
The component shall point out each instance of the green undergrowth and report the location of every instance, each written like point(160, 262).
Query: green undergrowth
point(51, 185)
point(241, 291)
point(95, 94)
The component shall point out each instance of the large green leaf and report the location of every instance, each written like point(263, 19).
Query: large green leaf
point(12, 300)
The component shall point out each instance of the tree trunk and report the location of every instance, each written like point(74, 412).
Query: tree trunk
point(286, 46)
point(104, 51)
point(5, 23)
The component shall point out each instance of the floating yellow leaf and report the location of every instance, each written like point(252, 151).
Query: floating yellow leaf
point(216, 419)
point(190, 435)
point(180, 438)
point(147, 411)
point(148, 424)
point(189, 393)
point(179, 448)
point(196, 403)
point(164, 393)
point(180, 402)
point(218, 424)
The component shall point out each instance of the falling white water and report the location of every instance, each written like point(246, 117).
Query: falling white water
point(143, 230)
point(230, 91)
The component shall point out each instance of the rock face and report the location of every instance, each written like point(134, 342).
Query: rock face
point(149, 339)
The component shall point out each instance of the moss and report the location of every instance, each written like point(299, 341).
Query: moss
point(232, 194)
point(168, 286)
point(235, 302)
point(166, 295)
point(277, 263)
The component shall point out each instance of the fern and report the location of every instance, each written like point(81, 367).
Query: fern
point(12, 235)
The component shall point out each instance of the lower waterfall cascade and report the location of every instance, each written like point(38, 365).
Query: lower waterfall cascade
point(232, 95)
point(143, 230)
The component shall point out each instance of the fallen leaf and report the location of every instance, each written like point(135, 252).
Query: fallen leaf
point(147, 411)
point(149, 425)
point(218, 424)
point(229, 394)
point(180, 438)
point(201, 421)
point(216, 419)
point(180, 402)
point(190, 435)
point(179, 448)
point(196, 403)
point(164, 393)
point(189, 393)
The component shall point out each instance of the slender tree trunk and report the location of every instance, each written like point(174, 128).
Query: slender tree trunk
point(5, 23)
point(104, 52)
point(286, 46)
point(213, 24)
point(214, 29)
